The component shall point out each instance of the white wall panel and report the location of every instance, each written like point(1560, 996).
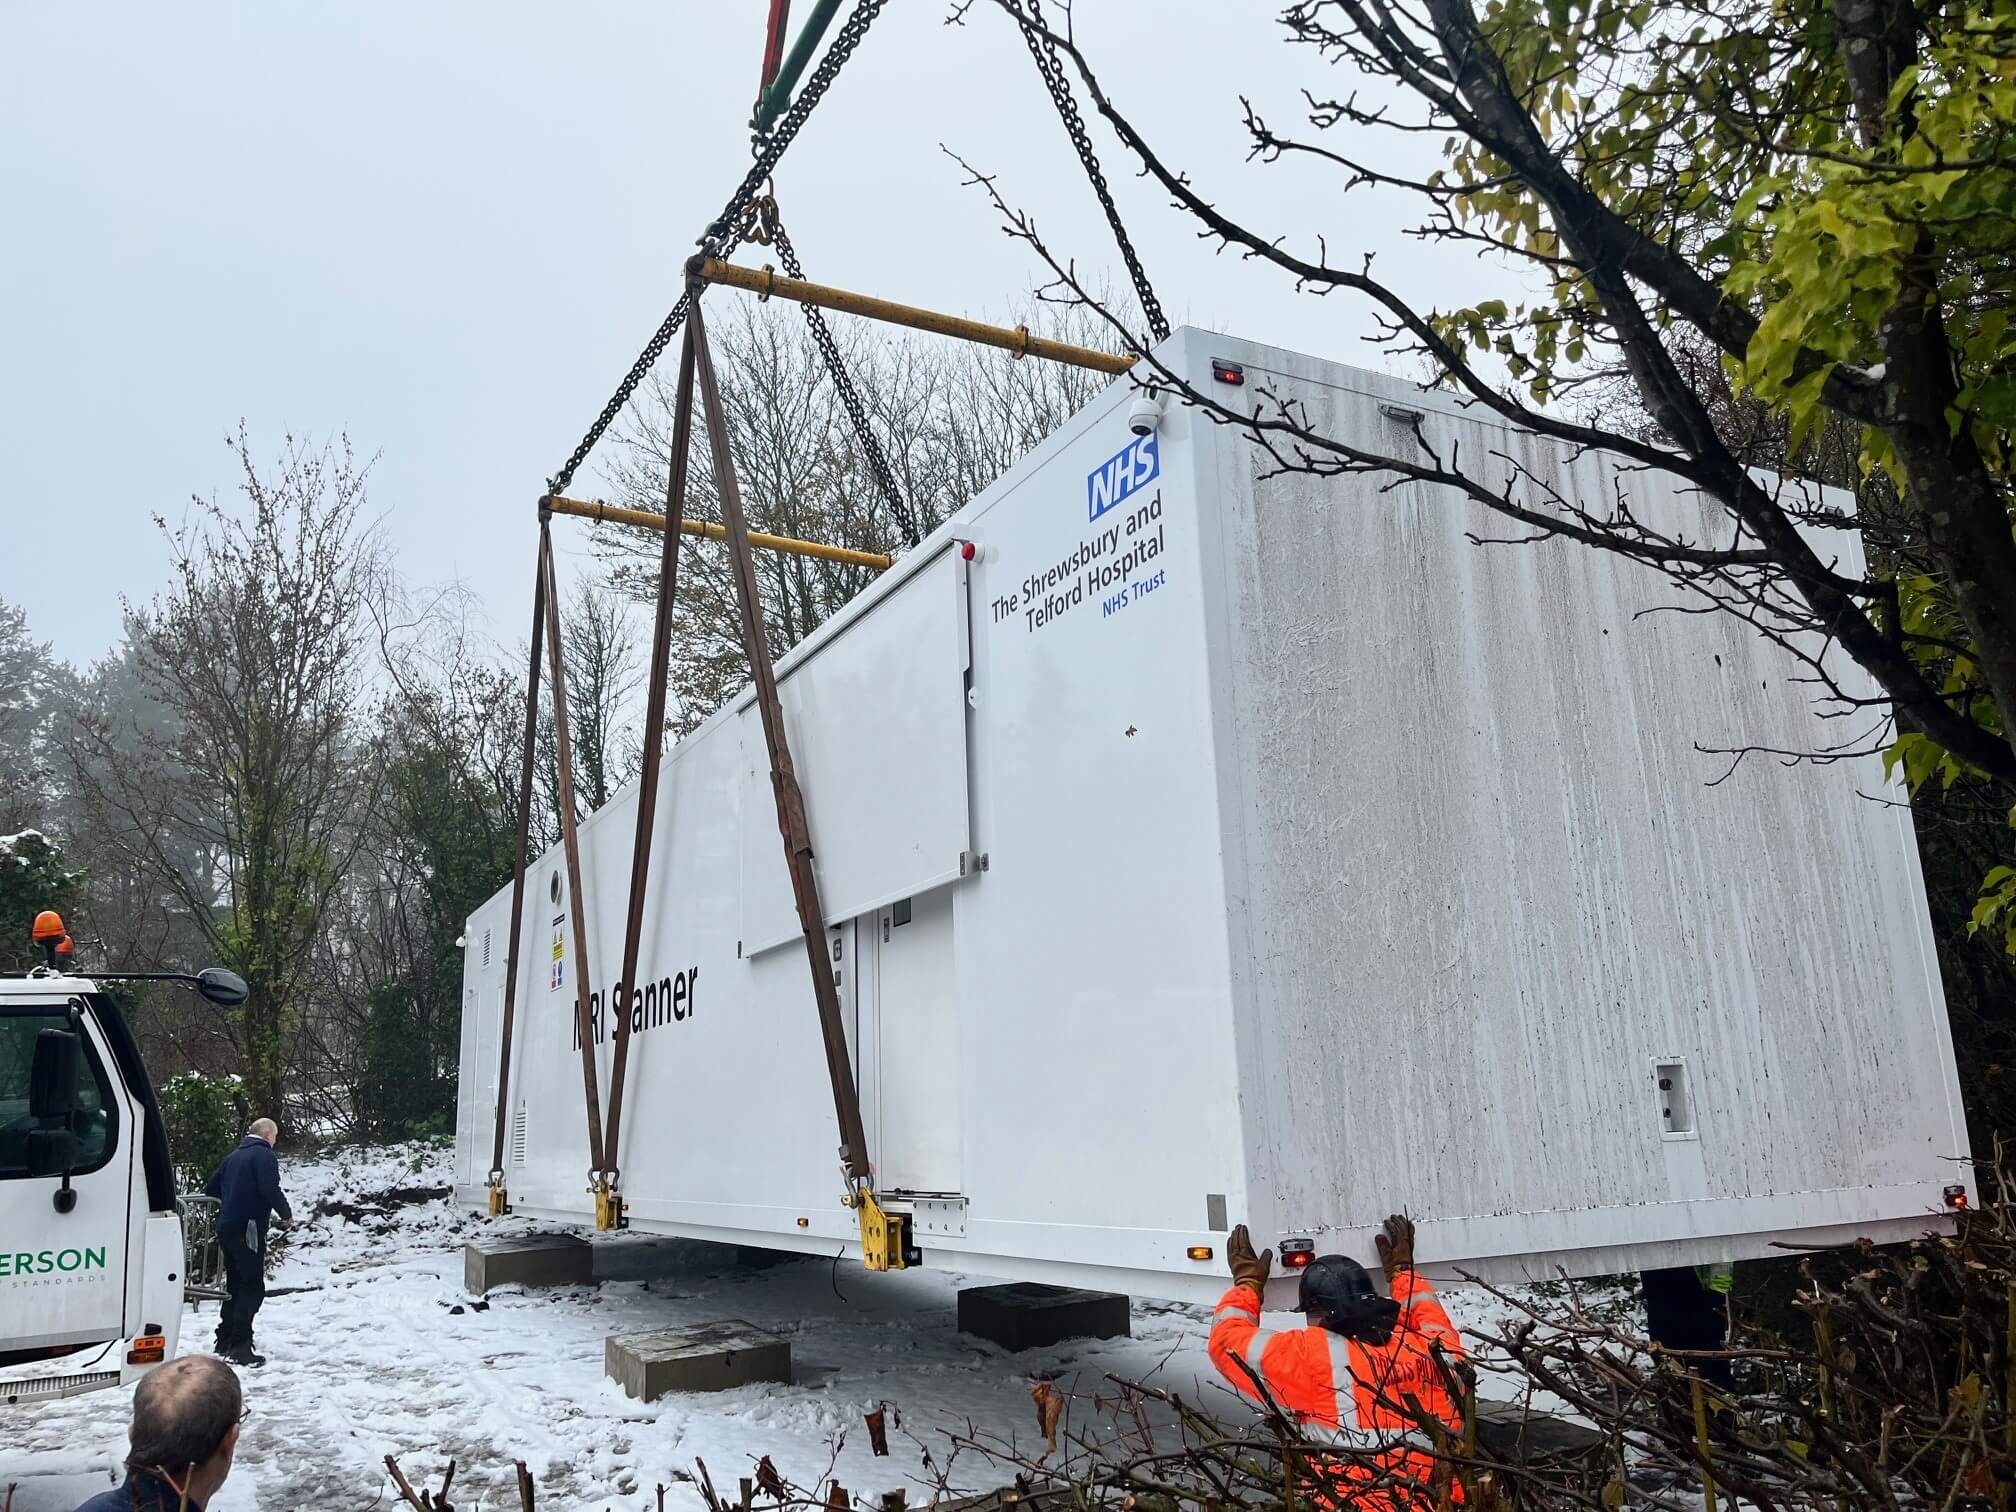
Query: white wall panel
point(1496, 871)
point(876, 718)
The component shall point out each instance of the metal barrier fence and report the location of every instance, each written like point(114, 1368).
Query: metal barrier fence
point(202, 1257)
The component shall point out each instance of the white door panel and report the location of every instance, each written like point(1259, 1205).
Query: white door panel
point(63, 1273)
point(917, 1048)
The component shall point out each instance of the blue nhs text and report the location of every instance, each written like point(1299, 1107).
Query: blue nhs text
point(1135, 464)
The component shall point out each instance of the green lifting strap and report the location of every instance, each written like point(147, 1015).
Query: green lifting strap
point(777, 97)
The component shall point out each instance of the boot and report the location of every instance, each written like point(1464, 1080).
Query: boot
point(243, 1356)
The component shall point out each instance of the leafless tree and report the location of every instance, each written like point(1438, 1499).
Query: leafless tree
point(247, 806)
point(604, 663)
point(952, 418)
point(375, 1050)
point(129, 917)
point(29, 679)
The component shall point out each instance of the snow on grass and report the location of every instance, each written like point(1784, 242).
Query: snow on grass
point(381, 1351)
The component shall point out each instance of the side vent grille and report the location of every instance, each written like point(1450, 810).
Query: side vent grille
point(486, 947)
point(518, 1134)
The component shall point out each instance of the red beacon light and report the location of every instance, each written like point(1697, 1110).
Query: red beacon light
point(1297, 1254)
point(1229, 372)
point(1956, 1198)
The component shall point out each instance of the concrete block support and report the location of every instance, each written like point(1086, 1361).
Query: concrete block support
point(538, 1260)
point(1027, 1316)
point(704, 1357)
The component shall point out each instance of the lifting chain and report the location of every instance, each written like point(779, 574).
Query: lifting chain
point(722, 236)
point(822, 335)
point(1044, 51)
point(761, 222)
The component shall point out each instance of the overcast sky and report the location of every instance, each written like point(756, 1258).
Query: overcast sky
point(447, 229)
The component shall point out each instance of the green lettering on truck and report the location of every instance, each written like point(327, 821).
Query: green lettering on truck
point(43, 1262)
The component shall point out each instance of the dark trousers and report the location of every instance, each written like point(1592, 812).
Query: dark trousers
point(245, 1281)
point(1681, 1313)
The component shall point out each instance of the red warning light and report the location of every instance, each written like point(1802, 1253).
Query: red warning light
point(1296, 1254)
point(1227, 372)
point(1956, 1198)
point(968, 550)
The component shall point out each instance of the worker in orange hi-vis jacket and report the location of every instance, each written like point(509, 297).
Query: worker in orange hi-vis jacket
point(1355, 1375)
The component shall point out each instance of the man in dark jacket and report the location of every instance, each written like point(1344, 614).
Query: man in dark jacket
point(182, 1439)
point(247, 1187)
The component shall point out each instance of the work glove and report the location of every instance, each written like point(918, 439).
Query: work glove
point(1248, 1269)
point(1396, 1246)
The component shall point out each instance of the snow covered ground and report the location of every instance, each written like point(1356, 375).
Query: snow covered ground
point(381, 1353)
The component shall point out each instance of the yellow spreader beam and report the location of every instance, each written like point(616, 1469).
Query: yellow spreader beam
point(1016, 339)
point(595, 509)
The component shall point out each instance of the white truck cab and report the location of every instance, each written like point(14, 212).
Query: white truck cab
point(91, 1253)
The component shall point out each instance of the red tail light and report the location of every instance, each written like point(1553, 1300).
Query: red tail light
point(1956, 1198)
point(1297, 1253)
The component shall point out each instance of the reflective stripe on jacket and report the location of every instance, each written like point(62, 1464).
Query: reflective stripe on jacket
point(1347, 1391)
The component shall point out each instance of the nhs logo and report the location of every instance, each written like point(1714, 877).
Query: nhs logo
point(1134, 465)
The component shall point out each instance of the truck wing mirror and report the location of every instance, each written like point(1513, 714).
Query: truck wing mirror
point(54, 1074)
point(226, 989)
point(51, 1152)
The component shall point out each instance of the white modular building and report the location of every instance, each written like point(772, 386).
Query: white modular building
point(1203, 843)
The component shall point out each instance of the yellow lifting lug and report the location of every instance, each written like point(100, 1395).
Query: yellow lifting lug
point(883, 1235)
point(609, 1208)
point(498, 1206)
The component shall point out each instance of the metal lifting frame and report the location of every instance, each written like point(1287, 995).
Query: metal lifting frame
point(600, 1177)
point(602, 1182)
point(707, 530)
point(791, 821)
point(884, 1236)
point(764, 282)
point(498, 1205)
point(546, 629)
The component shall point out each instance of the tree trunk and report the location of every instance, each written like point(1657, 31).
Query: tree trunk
point(265, 1072)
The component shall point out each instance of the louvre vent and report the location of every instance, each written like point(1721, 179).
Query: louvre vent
point(486, 947)
point(518, 1134)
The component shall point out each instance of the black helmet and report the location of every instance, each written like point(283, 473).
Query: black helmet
point(1338, 1291)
